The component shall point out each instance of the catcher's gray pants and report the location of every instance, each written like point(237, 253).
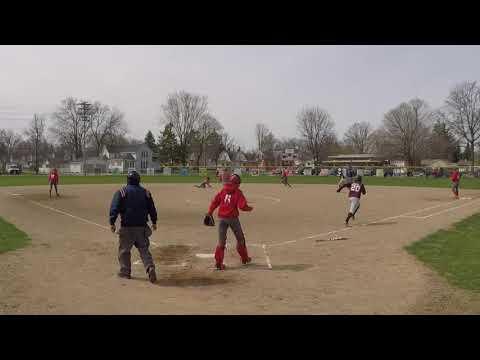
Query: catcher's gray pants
point(234, 224)
point(130, 236)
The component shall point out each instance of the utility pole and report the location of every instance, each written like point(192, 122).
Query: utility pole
point(84, 111)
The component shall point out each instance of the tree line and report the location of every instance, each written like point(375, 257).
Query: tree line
point(411, 131)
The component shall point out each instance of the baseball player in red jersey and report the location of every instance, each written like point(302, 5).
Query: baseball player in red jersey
point(53, 178)
point(455, 177)
point(356, 191)
point(284, 176)
point(229, 200)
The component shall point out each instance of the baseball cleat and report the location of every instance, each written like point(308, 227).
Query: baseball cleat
point(124, 276)
point(219, 267)
point(152, 276)
point(246, 261)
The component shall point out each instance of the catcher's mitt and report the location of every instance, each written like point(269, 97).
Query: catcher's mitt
point(208, 220)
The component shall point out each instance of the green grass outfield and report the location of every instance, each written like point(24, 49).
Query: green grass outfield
point(11, 238)
point(454, 253)
point(29, 180)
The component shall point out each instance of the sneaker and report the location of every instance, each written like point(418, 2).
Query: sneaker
point(219, 266)
point(152, 276)
point(124, 276)
point(246, 261)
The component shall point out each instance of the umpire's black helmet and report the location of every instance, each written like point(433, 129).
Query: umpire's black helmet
point(133, 178)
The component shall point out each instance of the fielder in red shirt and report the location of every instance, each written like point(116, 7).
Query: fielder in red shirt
point(455, 177)
point(356, 191)
point(284, 177)
point(53, 178)
point(229, 200)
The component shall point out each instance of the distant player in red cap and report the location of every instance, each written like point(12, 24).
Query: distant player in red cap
point(229, 200)
point(455, 177)
point(53, 178)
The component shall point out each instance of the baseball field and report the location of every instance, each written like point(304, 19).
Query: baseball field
point(305, 261)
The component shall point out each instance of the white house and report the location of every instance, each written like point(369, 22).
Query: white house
point(123, 158)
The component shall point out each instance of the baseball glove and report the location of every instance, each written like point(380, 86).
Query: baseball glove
point(208, 220)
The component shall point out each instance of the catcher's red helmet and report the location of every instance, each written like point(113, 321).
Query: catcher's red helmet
point(235, 179)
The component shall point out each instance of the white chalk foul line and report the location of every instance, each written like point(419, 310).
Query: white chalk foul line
point(153, 243)
point(267, 258)
point(449, 209)
point(69, 215)
point(277, 200)
point(407, 214)
point(183, 264)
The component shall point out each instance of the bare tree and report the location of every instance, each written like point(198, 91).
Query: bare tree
point(261, 132)
point(463, 114)
point(357, 137)
point(184, 110)
point(407, 127)
point(69, 128)
point(316, 128)
point(36, 136)
point(106, 124)
point(205, 129)
point(10, 139)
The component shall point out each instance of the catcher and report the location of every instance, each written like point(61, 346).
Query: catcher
point(229, 200)
point(356, 191)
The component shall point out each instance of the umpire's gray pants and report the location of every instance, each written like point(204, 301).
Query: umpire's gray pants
point(234, 224)
point(130, 236)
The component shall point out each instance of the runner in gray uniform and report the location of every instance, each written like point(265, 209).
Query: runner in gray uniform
point(356, 191)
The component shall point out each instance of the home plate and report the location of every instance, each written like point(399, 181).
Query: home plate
point(16, 194)
point(205, 256)
point(465, 198)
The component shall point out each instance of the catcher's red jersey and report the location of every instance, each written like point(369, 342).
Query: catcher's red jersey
point(229, 200)
point(356, 190)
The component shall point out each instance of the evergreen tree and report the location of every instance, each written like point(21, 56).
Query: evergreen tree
point(168, 145)
point(150, 141)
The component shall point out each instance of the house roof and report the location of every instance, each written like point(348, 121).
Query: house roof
point(124, 157)
point(124, 148)
point(353, 156)
point(224, 157)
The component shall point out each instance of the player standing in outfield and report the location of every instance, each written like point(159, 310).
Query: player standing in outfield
point(455, 177)
point(134, 204)
point(229, 200)
point(205, 183)
point(356, 191)
point(284, 176)
point(53, 178)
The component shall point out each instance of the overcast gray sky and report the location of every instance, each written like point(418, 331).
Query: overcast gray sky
point(244, 84)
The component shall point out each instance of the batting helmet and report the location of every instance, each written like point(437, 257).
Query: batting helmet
point(235, 179)
point(358, 178)
point(133, 178)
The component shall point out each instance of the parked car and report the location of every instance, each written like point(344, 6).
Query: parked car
point(13, 169)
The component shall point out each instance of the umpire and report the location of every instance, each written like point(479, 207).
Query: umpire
point(134, 204)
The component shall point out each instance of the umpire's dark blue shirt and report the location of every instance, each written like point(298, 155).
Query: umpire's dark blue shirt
point(134, 204)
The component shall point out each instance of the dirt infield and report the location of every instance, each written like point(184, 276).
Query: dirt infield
point(298, 269)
